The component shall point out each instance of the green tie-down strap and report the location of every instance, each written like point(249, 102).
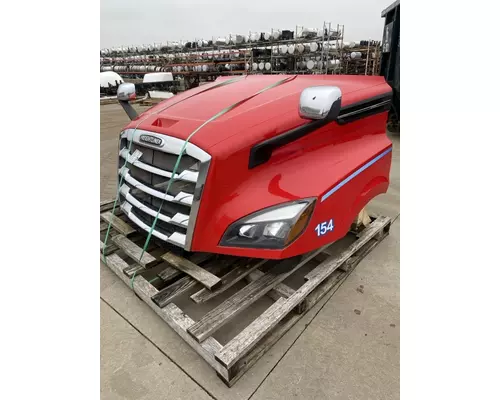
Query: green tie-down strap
point(220, 113)
point(223, 83)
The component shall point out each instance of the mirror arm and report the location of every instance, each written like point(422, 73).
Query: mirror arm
point(127, 107)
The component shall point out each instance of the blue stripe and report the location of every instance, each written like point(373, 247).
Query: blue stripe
point(354, 174)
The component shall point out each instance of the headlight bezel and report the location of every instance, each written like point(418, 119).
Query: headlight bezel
point(231, 238)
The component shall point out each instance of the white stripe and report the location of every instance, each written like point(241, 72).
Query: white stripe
point(354, 174)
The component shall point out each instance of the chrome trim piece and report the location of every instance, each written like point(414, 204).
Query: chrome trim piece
point(178, 219)
point(170, 144)
point(181, 197)
point(365, 109)
point(187, 176)
point(198, 192)
point(175, 238)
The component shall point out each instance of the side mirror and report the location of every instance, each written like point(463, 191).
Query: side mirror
point(320, 103)
point(125, 93)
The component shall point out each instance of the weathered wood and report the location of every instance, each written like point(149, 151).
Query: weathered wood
point(134, 269)
point(134, 251)
point(207, 279)
point(110, 247)
point(368, 233)
point(172, 315)
point(120, 225)
point(170, 273)
point(106, 205)
point(198, 258)
point(280, 290)
point(167, 294)
point(246, 339)
point(241, 300)
point(228, 280)
point(247, 361)
point(362, 220)
point(116, 263)
point(245, 349)
point(184, 322)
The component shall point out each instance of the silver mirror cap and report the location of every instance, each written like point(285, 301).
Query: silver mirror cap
point(126, 92)
point(320, 102)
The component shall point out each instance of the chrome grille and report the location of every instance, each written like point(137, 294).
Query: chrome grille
point(145, 178)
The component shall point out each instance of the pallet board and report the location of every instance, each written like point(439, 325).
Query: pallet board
point(236, 283)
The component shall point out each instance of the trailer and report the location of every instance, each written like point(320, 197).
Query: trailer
point(389, 66)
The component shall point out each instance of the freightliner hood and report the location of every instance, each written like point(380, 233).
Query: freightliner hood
point(266, 115)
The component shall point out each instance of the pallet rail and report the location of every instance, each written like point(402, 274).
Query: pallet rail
point(175, 275)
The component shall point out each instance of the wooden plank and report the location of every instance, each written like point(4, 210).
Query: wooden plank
point(362, 220)
point(106, 205)
point(184, 322)
point(247, 361)
point(244, 298)
point(198, 258)
point(117, 223)
point(134, 251)
point(171, 273)
point(167, 294)
point(280, 290)
point(134, 269)
point(228, 280)
point(246, 339)
point(172, 315)
point(207, 279)
point(365, 236)
point(110, 247)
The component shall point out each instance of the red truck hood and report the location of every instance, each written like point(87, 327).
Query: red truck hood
point(275, 109)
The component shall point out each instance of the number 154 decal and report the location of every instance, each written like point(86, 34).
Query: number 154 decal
point(324, 227)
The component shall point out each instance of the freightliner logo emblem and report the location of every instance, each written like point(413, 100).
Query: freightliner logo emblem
point(151, 140)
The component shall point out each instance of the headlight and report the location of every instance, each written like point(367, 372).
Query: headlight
point(272, 228)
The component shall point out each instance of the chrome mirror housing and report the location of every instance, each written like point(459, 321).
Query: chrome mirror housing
point(320, 102)
point(126, 92)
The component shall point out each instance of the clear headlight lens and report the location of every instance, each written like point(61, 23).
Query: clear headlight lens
point(272, 228)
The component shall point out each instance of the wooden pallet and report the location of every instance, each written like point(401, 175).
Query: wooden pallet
point(164, 276)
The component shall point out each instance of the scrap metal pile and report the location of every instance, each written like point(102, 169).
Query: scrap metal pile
point(299, 51)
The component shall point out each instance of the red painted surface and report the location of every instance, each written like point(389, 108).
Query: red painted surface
point(308, 167)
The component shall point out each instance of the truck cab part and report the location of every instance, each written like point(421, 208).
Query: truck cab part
point(319, 151)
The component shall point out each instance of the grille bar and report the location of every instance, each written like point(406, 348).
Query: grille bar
point(146, 176)
point(186, 175)
point(180, 198)
point(176, 238)
point(178, 219)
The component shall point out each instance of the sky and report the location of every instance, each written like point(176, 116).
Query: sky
point(133, 22)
